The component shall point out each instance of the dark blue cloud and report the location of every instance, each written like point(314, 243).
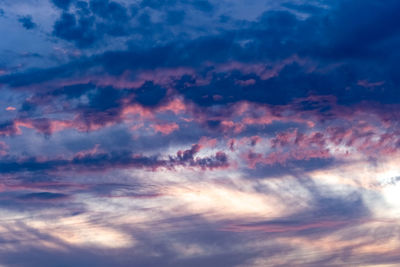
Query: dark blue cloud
point(43, 196)
point(92, 21)
point(154, 4)
point(375, 23)
point(63, 4)
point(27, 22)
point(79, 31)
point(149, 94)
point(203, 5)
point(96, 20)
point(113, 160)
point(175, 17)
point(74, 91)
point(113, 12)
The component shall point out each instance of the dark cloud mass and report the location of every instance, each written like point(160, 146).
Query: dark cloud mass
point(199, 133)
point(63, 4)
point(27, 22)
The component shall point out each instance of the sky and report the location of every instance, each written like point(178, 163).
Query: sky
point(199, 133)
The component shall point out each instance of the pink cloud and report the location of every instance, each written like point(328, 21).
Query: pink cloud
point(245, 82)
point(367, 84)
point(166, 128)
point(3, 148)
point(208, 142)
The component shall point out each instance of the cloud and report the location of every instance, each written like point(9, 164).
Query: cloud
point(194, 133)
point(121, 159)
point(203, 5)
point(68, 28)
point(63, 4)
point(91, 22)
point(42, 196)
point(166, 128)
point(175, 17)
point(27, 22)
